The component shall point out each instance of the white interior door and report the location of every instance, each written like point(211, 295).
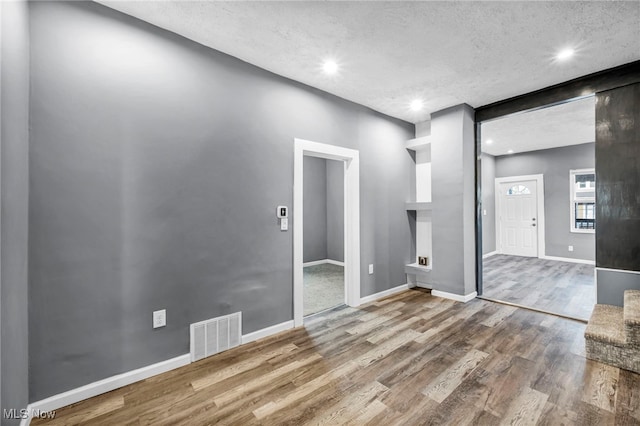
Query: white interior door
point(518, 218)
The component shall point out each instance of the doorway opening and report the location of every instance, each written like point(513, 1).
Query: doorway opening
point(323, 251)
point(348, 161)
point(537, 209)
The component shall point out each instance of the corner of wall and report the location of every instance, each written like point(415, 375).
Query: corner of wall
point(14, 190)
point(423, 128)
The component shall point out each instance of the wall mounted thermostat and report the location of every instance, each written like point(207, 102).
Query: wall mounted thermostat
point(283, 211)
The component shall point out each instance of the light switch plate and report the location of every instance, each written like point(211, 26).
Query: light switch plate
point(159, 318)
point(371, 269)
point(284, 224)
point(282, 211)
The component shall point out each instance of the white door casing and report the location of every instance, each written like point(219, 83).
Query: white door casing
point(520, 215)
point(351, 160)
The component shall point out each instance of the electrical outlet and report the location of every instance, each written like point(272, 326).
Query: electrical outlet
point(159, 318)
point(371, 269)
point(570, 248)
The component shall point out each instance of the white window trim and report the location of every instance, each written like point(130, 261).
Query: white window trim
point(572, 200)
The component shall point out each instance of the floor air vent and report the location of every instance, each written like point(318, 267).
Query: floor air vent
point(215, 335)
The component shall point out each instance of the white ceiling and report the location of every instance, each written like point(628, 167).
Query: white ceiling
point(571, 123)
point(391, 52)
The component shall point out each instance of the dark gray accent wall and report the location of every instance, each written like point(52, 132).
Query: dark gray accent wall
point(618, 178)
point(14, 187)
point(554, 164)
point(453, 197)
point(315, 209)
point(617, 193)
point(593, 83)
point(488, 203)
point(335, 210)
point(156, 168)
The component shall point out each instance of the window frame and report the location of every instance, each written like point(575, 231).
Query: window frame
point(573, 200)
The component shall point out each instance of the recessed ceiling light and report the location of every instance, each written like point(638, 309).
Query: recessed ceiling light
point(510, 151)
point(565, 54)
point(330, 67)
point(417, 105)
point(489, 141)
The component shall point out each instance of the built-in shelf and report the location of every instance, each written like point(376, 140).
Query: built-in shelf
point(421, 231)
point(418, 144)
point(415, 269)
point(418, 205)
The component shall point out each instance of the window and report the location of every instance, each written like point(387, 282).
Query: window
point(518, 190)
point(583, 200)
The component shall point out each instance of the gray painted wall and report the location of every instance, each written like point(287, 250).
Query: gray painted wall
point(453, 195)
point(611, 284)
point(323, 209)
point(335, 210)
point(14, 181)
point(156, 168)
point(555, 164)
point(315, 209)
point(488, 203)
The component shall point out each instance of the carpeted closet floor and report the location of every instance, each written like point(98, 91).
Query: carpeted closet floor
point(323, 287)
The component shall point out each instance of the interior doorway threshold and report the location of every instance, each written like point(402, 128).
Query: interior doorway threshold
point(542, 311)
point(325, 311)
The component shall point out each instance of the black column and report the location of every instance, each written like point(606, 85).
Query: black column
point(618, 178)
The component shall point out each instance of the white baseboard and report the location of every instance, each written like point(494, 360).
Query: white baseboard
point(453, 296)
point(568, 259)
point(384, 293)
point(114, 382)
point(424, 285)
point(322, 262)
point(492, 253)
point(106, 385)
point(624, 271)
point(266, 332)
point(314, 263)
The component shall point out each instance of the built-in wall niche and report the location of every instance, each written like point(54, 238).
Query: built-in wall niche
point(420, 209)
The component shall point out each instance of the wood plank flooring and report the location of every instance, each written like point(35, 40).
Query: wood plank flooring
point(560, 287)
point(411, 359)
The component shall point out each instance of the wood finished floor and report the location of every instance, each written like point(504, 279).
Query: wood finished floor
point(559, 287)
point(409, 359)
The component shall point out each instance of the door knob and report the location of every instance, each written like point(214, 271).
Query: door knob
point(533, 219)
point(533, 224)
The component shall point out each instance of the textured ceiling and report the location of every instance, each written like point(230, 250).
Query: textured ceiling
point(391, 52)
point(570, 123)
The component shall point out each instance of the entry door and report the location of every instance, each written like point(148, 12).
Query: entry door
point(518, 221)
